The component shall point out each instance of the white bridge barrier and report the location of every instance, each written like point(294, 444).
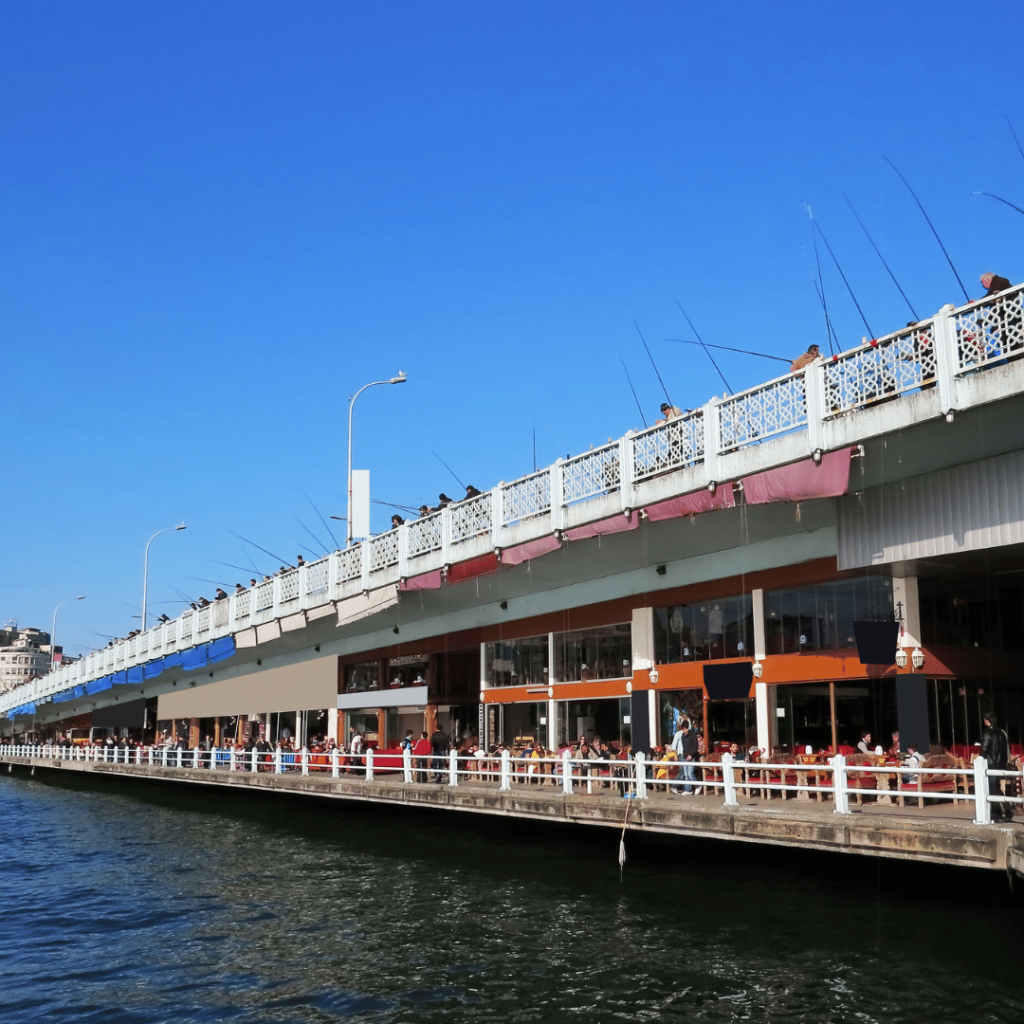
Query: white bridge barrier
point(636, 778)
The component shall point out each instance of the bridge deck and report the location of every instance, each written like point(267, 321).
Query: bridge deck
point(942, 833)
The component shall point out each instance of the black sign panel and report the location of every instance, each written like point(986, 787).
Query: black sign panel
point(128, 714)
point(876, 642)
point(729, 682)
point(640, 721)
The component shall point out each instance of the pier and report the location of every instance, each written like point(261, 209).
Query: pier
point(945, 831)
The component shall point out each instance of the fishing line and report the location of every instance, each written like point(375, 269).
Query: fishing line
point(867, 326)
point(881, 257)
point(701, 340)
point(653, 363)
point(726, 348)
point(931, 225)
point(635, 399)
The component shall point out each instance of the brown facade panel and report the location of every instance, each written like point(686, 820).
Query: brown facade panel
point(308, 686)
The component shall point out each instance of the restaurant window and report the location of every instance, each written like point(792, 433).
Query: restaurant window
point(820, 616)
point(407, 670)
point(602, 652)
point(522, 662)
point(364, 675)
point(722, 627)
point(970, 613)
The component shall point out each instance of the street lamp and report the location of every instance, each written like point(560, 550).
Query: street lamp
point(400, 379)
point(53, 629)
point(145, 567)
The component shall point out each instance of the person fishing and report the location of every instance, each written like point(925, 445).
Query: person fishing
point(805, 360)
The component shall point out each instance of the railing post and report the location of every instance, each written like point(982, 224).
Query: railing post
point(233, 762)
point(839, 784)
point(497, 516)
point(557, 491)
point(446, 535)
point(406, 762)
point(195, 757)
point(164, 758)
point(506, 771)
point(982, 808)
point(640, 767)
point(334, 762)
point(627, 471)
point(213, 759)
point(729, 781)
point(566, 773)
point(712, 442)
point(278, 765)
point(453, 766)
point(403, 551)
point(304, 755)
point(255, 760)
point(947, 358)
point(814, 392)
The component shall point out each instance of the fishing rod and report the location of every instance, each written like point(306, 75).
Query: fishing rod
point(653, 363)
point(264, 550)
point(322, 520)
point(535, 447)
point(313, 535)
point(449, 468)
point(881, 257)
point(931, 225)
point(1014, 134)
point(216, 583)
point(819, 287)
point(989, 194)
point(390, 504)
point(725, 348)
point(867, 326)
point(314, 555)
point(633, 389)
point(701, 340)
point(242, 568)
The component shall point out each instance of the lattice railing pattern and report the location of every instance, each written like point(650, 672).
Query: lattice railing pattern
point(317, 576)
point(989, 331)
point(530, 496)
point(265, 596)
point(471, 518)
point(132, 646)
point(424, 535)
point(290, 585)
point(221, 613)
point(350, 564)
point(243, 603)
point(143, 643)
point(186, 626)
point(764, 411)
point(203, 620)
point(384, 551)
point(671, 445)
point(890, 366)
point(596, 472)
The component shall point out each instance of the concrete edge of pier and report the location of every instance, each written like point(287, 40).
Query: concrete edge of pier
point(944, 840)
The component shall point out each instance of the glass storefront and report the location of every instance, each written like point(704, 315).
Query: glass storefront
point(521, 662)
point(705, 630)
point(603, 652)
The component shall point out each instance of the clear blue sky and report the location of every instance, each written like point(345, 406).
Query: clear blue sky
point(222, 218)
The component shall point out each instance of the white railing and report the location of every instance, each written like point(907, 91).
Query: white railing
point(637, 777)
point(936, 353)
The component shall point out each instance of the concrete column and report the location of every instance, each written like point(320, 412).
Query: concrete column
point(767, 721)
point(905, 596)
point(757, 612)
point(642, 638)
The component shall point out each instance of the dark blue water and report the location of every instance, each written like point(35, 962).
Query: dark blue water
point(129, 903)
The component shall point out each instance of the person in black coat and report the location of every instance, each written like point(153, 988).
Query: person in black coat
point(995, 748)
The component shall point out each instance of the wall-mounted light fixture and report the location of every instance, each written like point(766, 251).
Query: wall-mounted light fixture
point(901, 658)
point(653, 675)
point(917, 659)
point(758, 669)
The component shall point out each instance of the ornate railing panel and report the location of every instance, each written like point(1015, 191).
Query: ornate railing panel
point(243, 603)
point(221, 613)
point(203, 620)
point(880, 370)
point(264, 595)
point(671, 445)
point(424, 535)
point(471, 518)
point(289, 585)
point(350, 564)
point(384, 551)
point(764, 411)
point(989, 331)
point(530, 496)
point(317, 576)
point(186, 626)
point(596, 472)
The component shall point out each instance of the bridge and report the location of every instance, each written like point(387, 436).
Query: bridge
point(902, 457)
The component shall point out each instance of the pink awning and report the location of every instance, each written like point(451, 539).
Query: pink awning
point(425, 581)
point(473, 567)
point(691, 504)
point(614, 524)
point(531, 549)
point(801, 481)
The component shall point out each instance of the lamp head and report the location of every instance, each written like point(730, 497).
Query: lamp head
point(400, 379)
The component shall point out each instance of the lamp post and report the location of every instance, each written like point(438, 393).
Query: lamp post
point(53, 629)
point(145, 567)
point(400, 379)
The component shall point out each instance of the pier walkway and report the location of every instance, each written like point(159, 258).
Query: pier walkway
point(944, 831)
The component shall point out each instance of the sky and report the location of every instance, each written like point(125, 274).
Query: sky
point(223, 218)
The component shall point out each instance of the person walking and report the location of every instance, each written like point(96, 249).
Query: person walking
point(995, 748)
point(438, 747)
